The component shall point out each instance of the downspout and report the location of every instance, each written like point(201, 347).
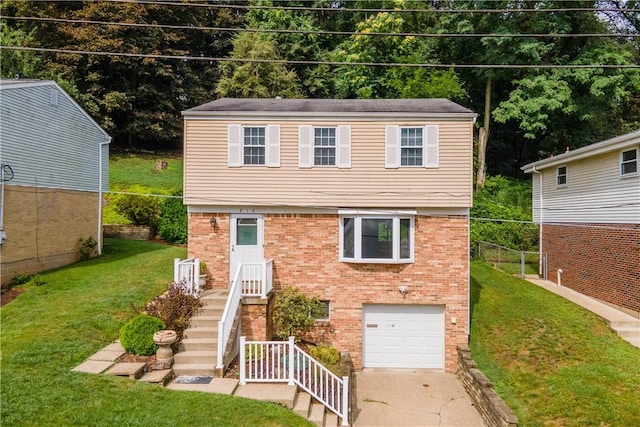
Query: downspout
point(100, 178)
point(540, 261)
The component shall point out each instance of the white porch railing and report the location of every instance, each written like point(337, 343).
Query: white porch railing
point(187, 272)
point(257, 278)
point(250, 280)
point(283, 361)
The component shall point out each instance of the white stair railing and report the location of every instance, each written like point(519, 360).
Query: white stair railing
point(283, 361)
point(187, 272)
point(257, 278)
point(225, 324)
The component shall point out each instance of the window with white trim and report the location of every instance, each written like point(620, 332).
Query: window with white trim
point(254, 145)
point(412, 146)
point(376, 238)
point(629, 162)
point(324, 147)
point(561, 176)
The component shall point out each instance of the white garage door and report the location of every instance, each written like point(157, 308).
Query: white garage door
point(403, 336)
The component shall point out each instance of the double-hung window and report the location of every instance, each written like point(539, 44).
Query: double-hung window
point(407, 146)
point(629, 162)
point(411, 146)
point(254, 145)
point(324, 147)
point(376, 238)
point(561, 176)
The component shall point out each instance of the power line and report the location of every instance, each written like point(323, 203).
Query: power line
point(333, 63)
point(374, 10)
point(319, 32)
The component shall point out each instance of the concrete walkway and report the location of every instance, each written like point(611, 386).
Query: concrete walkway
point(625, 325)
point(412, 397)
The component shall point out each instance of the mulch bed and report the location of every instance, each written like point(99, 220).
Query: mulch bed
point(9, 295)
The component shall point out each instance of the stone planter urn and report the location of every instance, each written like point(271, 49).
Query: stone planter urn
point(164, 355)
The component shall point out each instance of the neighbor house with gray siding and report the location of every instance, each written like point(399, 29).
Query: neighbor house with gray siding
point(587, 202)
point(55, 161)
point(361, 203)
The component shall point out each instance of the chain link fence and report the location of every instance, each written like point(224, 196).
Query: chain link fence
point(513, 261)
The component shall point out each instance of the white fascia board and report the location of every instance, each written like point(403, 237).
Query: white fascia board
point(613, 144)
point(324, 116)
point(259, 209)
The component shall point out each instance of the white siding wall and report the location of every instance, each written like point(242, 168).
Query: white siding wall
point(595, 193)
point(367, 183)
point(49, 145)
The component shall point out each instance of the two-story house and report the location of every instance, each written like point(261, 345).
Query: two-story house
point(54, 168)
point(587, 202)
point(362, 203)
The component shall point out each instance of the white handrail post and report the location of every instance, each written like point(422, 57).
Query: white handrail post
point(291, 357)
point(176, 270)
point(345, 401)
point(263, 288)
point(220, 348)
point(243, 374)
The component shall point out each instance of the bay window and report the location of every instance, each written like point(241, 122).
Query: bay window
point(376, 239)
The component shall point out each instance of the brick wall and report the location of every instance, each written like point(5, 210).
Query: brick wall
point(601, 261)
point(305, 247)
point(43, 228)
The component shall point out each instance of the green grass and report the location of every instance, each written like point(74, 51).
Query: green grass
point(51, 328)
point(136, 174)
point(553, 362)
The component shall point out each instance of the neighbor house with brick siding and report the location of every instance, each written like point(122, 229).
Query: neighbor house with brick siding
point(587, 202)
point(361, 203)
point(55, 163)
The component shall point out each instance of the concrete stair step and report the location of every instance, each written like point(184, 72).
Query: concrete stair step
point(214, 311)
point(330, 419)
point(204, 320)
point(194, 369)
point(194, 344)
point(625, 324)
point(303, 402)
point(197, 357)
point(201, 332)
point(316, 414)
point(282, 394)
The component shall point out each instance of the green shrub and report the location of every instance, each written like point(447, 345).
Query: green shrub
point(295, 313)
point(88, 248)
point(172, 225)
point(328, 356)
point(18, 279)
point(139, 209)
point(174, 308)
point(136, 336)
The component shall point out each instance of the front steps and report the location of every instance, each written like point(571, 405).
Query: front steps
point(197, 352)
point(628, 330)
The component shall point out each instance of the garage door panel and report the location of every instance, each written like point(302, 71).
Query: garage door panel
point(403, 336)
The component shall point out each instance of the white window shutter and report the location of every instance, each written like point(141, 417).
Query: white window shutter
point(343, 147)
point(392, 146)
point(305, 146)
point(234, 139)
point(272, 155)
point(431, 150)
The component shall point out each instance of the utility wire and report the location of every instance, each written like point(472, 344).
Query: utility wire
point(334, 63)
point(374, 10)
point(319, 32)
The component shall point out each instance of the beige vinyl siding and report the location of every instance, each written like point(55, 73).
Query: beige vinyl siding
point(209, 180)
point(596, 193)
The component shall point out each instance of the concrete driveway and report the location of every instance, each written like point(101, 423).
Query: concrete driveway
point(412, 397)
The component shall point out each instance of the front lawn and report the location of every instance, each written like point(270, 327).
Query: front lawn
point(74, 312)
point(553, 362)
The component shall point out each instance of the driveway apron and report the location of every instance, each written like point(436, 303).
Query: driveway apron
point(412, 397)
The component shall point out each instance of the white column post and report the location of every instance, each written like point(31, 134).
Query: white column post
point(291, 358)
point(263, 280)
point(243, 374)
point(176, 270)
point(345, 401)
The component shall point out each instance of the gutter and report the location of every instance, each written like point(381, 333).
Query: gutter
point(100, 179)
